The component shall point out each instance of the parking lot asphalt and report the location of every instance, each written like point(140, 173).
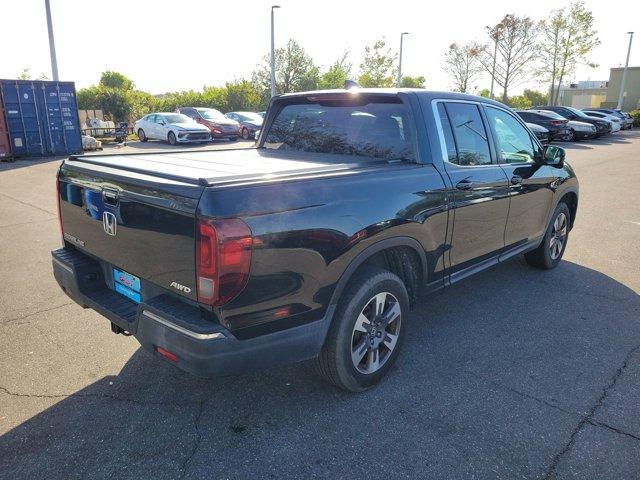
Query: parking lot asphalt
point(515, 373)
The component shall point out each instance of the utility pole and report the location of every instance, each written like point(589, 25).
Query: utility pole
point(624, 72)
point(399, 81)
point(273, 53)
point(52, 44)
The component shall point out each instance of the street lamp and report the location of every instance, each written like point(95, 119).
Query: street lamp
point(400, 59)
point(273, 54)
point(624, 72)
point(52, 45)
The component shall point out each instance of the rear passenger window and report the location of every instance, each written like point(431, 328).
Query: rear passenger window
point(452, 154)
point(469, 134)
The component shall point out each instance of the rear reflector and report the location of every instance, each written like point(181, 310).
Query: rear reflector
point(223, 259)
point(172, 357)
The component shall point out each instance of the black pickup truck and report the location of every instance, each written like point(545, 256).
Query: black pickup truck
point(316, 243)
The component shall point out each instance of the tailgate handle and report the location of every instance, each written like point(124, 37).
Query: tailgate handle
point(110, 196)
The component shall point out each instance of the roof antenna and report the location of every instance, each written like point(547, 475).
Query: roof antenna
point(349, 84)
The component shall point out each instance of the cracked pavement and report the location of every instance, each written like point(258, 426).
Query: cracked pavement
point(513, 374)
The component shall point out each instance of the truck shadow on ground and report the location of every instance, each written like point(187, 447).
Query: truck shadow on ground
point(497, 371)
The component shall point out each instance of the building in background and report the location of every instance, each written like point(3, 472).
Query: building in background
point(603, 93)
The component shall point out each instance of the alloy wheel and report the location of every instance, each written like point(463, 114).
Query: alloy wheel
point(558, 236)
point(375, 333)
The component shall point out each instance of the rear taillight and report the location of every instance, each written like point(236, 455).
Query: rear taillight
point(223, 259)
point(557, 123)
point(58, 202)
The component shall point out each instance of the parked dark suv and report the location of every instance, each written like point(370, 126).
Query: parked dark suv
point(558, 126)
point(602, 127)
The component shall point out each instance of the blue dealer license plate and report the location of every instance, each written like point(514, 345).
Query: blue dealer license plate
point(127, 285)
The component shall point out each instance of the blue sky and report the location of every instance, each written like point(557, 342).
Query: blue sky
point(165, 46)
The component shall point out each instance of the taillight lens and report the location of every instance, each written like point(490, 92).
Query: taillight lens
point(557, 122)
point(223, 259)
point(59, 214)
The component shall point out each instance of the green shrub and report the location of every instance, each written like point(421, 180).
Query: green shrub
point(635, 114)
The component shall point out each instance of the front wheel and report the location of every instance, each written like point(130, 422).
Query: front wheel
point(367, 332)
point(172, 138)
point(550, 251)
point(569, 137)
point(245, 133)
point(142, 136)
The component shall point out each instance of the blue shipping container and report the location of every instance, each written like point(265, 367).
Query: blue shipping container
point(42, 117)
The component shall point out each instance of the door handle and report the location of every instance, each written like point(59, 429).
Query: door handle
point(516, 180)
point(464, 185)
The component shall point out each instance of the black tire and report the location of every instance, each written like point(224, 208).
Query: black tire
point(335, 362)
point(548, 256)
point(245, 133)
point(142, 136)
point(569, 137)
point(171, 137)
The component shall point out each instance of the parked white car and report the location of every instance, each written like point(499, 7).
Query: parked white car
point(582, 130)
point(171, 127)
point(616, 123)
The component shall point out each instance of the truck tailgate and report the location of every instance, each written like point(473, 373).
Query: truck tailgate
point(139, 223)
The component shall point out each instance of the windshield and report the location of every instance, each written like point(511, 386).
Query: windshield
point(579, 113)
point(550, 114)
point(250, 117)
point(377, 130)
point(211, 114)
point(175, 118)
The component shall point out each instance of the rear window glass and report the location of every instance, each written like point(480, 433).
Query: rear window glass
point(375, 130)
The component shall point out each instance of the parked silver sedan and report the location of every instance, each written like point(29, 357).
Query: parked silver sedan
point(171, 127)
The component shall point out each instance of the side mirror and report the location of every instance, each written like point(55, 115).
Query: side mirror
point(554, 155)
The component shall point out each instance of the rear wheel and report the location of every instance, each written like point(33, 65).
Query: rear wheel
point(550, 251)
point(245, 133)
point(172, 138)
point(142, 136)
point(367, 332)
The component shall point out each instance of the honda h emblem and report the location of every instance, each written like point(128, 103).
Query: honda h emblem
point(109, 223)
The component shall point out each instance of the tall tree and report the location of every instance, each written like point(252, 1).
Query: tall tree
point(462, 63)
point(536, 98)
point(378, 69)
point(412, 82)
point(568, 36)
point(117, 80)
point(337, 73)
point(516, 50)
point(295, 70)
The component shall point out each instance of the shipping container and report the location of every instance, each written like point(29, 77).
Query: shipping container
point(5, 146)
point(41, 117)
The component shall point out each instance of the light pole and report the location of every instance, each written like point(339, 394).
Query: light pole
point(624, 72)
point(400, 59)
point(52, 45)
point(273, 53)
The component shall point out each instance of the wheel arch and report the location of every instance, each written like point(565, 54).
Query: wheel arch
point(397, 253)
point(570, 197)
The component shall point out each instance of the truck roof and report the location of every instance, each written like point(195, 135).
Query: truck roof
point(420, 92)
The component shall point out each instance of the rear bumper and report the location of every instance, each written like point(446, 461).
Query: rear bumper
point(202, 347)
